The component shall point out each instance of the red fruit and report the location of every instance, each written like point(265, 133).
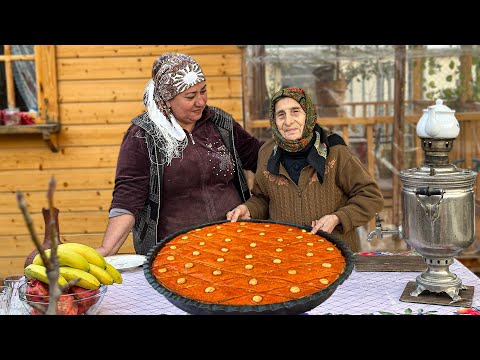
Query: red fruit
point(66, 305)
point(37, 291)
point(83, 308)
point(37, 312)
point(88, 298)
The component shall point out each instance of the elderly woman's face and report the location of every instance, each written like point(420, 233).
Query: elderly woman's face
point(289, 118)
point(187, 106)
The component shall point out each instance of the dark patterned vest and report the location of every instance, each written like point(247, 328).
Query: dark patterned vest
point(145, 227)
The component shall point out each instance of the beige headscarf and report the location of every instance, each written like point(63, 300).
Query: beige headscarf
point(172, 74)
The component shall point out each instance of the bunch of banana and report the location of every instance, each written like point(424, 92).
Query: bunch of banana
point(39, 272)
point(86, 280)
point(77, 261)
point(66, 257)
point(89, 253)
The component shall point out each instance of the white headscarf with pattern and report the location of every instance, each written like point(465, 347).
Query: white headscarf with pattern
point(172, 73)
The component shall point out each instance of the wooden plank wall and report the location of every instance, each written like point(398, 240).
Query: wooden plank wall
point(100, 89)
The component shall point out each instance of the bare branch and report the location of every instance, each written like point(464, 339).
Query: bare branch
point(69, 284)
point(29, 221)
point(54, 289)
point(51, 263)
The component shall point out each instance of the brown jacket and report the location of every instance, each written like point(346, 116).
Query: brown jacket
point(348, 191)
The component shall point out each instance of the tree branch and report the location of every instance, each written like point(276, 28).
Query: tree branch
point(51, 263)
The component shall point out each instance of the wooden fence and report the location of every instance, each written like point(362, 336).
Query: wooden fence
point(465, 147)
point(465, 152)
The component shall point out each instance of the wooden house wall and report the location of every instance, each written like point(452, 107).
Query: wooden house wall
point(100, 89)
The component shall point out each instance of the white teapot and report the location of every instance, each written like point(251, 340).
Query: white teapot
point(438, 122)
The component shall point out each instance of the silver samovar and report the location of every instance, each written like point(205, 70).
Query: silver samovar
point(438, 205)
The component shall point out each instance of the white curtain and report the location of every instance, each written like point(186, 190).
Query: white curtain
point(24, 76)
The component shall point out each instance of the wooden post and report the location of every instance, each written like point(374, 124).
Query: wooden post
point(256, 93)
point(247, 120)
point(47, 87)
point(417, 79)
point(466, 100)
point(417, 96)
point(466, 88)
point(398, 130)
point(371, 161)
point(9, 77)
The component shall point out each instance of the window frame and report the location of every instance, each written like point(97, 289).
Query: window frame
point(46, 119)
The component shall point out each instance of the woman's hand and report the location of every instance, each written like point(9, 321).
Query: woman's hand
point(240, 212)
point(326, 223)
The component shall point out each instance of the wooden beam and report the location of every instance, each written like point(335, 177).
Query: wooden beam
point(466, 80)
point(418, 152)
point(118, 90)
point(333, 121)
point(45, 129)
point(398, 129)
point(9, 77)
point(417, 74)
point(16, 57)
point(371, 163)
point(245, 109)
point(47, 88)
point(86, 51)
point(138, 67)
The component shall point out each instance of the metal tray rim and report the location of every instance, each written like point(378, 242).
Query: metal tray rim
point(288, 307)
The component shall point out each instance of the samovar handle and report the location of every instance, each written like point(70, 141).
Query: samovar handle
point(431, 210)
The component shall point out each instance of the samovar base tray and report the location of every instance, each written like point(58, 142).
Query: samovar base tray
point(440, 298)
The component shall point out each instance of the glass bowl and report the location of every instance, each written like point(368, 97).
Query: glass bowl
point(78, 301)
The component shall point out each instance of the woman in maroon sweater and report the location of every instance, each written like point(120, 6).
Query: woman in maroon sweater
point(181, 163)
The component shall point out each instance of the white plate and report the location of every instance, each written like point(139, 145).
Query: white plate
point(127, 261)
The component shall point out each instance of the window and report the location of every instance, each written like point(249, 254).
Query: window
point(28, 85)
point(18, 75)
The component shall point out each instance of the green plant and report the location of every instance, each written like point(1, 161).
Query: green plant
point(409, 311)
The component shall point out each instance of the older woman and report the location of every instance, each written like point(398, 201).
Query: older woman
point(180, 163)
point(308, 176)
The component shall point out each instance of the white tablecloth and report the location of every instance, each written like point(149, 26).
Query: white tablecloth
point(362, 293)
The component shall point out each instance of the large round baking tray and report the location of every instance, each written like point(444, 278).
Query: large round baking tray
point(284, 308)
